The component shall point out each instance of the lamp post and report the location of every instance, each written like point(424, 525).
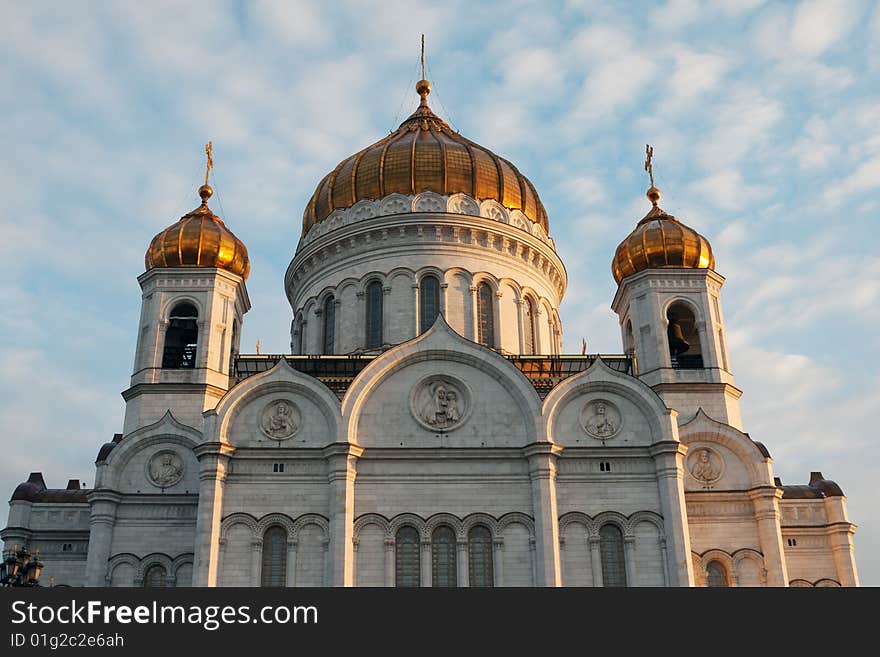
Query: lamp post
point(21, 568)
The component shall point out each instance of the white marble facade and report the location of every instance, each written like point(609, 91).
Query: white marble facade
point(435, 432)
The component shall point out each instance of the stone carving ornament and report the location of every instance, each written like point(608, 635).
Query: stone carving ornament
point(165, 468)
point(440, 403)
point(706, 465)
point(280, 419)
point(601, 419)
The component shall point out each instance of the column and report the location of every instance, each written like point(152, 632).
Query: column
point(425, 563)
point(475, 332)
point(461, 564)
point(840, 532)
point(213, 465)
point(292, 548)
point(102, 519)
point(443, 287)
point(665, 561)
point(256, 561)
point(221, 561)
point(354, 562)
point(389, 562)
point(542, 474)
point(498, 561)
point(669, 461)
point(766, 503)
point(341, 459)
point(595, 560)
point(418, 329)
point(629, 549)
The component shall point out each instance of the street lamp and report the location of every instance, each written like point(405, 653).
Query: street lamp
point(21, 568)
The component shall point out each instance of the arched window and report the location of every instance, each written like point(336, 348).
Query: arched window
point(154, 578)
point(407, 562)
point(685, 351)
point(274, 571)
point(181, 337)
point(329, 324)
point(485, 316)
point(716, 575)
point(531, 319)
point(611, 549)
point(296, 342)
point(429, 302)
point(480, 564)
point(374, 294)
point(443, 557)
point(233, 345)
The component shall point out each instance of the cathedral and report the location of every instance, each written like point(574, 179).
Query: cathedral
point(426, 428)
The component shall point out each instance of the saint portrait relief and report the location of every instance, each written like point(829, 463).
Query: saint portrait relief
point(440, 404)
point(705, 466)
point(280, 420)
point(601, 419)
point(165, 468)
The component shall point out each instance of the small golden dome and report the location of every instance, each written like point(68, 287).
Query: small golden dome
point(199, 239)
point(660, 241)
point(423, 154)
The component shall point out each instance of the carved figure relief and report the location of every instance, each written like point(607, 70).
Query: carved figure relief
point(165, 468)
point(280, 420)
point(601, 419)
point(440, 404)
point(705, 465)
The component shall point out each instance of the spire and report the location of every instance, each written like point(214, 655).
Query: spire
point(205, 190)
point(653, 193)
point(423, 87)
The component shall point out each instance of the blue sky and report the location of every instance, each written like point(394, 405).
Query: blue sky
point(763, 117)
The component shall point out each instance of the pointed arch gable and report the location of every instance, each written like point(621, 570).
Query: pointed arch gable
point(702, 428)
point(441, 343)
point(600, 377)
point(281, 378)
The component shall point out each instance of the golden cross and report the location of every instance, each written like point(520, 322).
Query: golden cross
point(423, 57)
point(209, 148)
point(649, 152)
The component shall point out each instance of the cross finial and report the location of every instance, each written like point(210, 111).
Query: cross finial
point(423, 57)
point(209, 149)
point(649, 167)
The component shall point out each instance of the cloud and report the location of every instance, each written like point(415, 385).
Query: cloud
point(819, 25)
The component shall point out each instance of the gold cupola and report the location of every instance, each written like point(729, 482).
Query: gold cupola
point(424, 154)
point(660, 241)
point(199, 239)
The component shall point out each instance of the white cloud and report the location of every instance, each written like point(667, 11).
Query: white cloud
point(818, 25)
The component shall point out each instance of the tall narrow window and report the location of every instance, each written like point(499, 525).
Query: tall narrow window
point(716, 575)
point(233, 345)
point(181, 337)
point(374, 294)
point(429, 302)
point(485, 316)
point(611, 549)
point(443, 557)
point(407, 561)
point(296, 342)
point(274, 557)
point(480, 564)
point(531, 318)
point(329, 324)
point(154, 578)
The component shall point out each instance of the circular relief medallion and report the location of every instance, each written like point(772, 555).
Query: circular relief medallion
point(440, 403)
point(705, 465)
point(601, 419)
point(280, 419)
point(165, 468)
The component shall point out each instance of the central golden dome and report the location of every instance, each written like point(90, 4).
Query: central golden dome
point(424, 154)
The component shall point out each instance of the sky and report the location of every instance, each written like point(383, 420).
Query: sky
point(763, 117)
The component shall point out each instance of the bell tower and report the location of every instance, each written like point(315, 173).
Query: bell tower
point(192, 307)
point(669, 305)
